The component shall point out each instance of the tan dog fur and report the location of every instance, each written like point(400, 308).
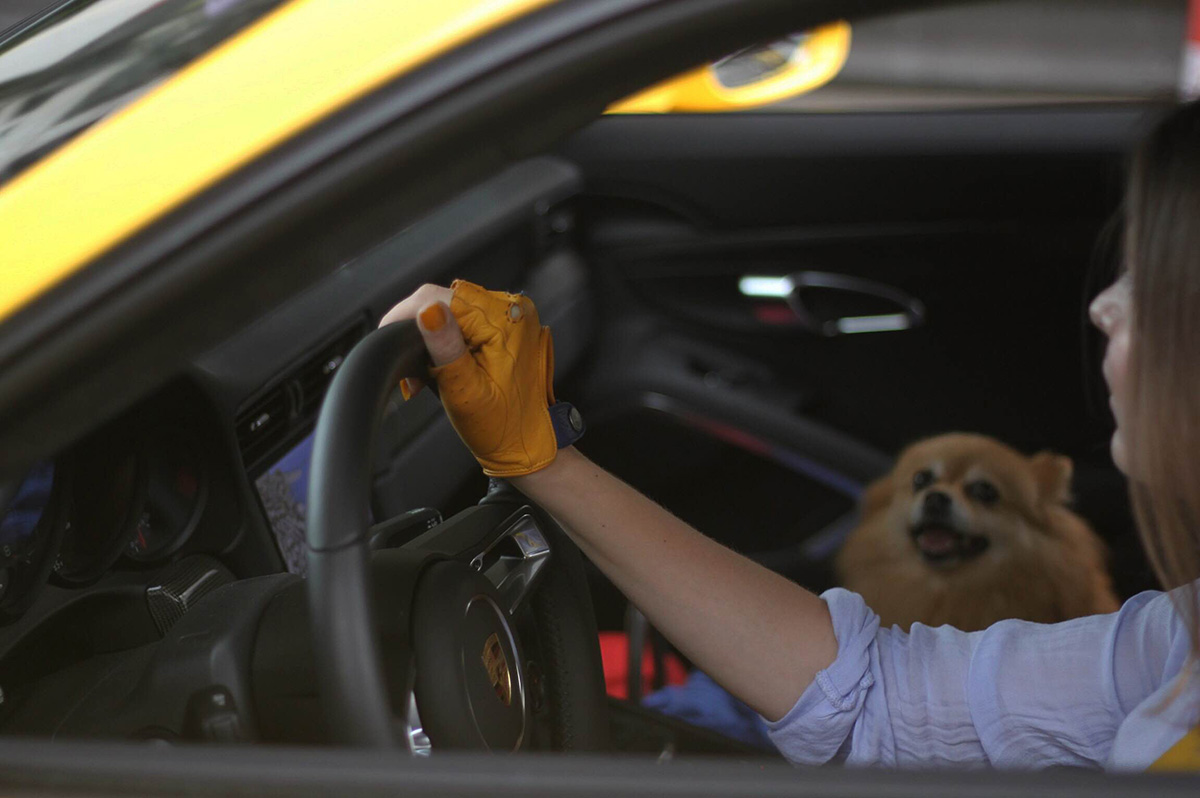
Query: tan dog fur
point(1042, 563)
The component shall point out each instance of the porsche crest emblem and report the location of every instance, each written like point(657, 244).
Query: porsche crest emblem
point(496, 665)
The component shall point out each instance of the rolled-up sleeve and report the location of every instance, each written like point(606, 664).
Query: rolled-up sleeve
point(884, 700)
point(1017, 694)
point(817, 728)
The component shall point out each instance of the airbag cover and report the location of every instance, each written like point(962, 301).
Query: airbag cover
point(470, 685)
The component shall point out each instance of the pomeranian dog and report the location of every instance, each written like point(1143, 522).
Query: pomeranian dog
point(966, 531)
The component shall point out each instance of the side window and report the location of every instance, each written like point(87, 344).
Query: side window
point(1000, 52)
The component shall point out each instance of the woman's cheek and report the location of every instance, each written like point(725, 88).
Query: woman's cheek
point(1116, 370)
point(1118, 451)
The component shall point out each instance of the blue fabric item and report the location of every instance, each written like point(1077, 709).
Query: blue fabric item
point(703, 702)
point(20, 521)
point(1093, 692)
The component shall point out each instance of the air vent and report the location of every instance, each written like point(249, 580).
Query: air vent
point(290, 408)
point(314, 376)
point(264, 425)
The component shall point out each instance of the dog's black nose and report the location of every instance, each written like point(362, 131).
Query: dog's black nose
point(936, 503)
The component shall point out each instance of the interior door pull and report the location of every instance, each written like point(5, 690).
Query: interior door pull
point(909, 311)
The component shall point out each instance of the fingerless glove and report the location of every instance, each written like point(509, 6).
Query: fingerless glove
point(499, 394)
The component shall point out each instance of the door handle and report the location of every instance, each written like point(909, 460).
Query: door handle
point(909, 311)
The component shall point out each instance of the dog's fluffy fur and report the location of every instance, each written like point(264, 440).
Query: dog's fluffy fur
point(980, 554)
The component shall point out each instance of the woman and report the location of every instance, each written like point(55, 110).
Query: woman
point(1114, 691)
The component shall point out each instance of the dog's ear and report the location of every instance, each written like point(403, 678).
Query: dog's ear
point(1053, 474)
point(877, 495)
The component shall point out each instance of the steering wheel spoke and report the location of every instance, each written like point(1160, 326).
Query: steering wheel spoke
point(515, 561)
point(512, 553)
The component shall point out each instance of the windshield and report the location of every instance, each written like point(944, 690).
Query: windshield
point(77, 64)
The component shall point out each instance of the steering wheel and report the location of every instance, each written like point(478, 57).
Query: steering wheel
point(477, 634)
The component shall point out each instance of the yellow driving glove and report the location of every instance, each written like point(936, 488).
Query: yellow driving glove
point(499, 393)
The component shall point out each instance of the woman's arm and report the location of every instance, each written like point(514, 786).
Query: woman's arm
point(760, 636)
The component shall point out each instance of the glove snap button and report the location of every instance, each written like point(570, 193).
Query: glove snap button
point(576, 420)
point(514, 312)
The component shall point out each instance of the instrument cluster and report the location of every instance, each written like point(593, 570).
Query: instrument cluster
point(123, 497)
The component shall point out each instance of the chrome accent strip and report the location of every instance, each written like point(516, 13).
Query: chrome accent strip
point(414, 729)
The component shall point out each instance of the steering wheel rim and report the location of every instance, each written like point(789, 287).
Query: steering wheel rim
point(364, 676)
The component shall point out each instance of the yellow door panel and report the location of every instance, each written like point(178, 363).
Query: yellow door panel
point(750, 78)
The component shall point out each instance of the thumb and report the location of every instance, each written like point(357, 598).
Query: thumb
point(441, 332)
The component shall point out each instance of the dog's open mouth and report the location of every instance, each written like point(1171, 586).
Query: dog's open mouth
point(940, 544)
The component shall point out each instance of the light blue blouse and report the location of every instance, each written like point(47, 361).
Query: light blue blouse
point(1093, 692)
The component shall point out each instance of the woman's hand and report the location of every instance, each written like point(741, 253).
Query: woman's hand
point(494, 366)
point(430, 306)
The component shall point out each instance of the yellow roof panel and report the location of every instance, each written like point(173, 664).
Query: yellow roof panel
point(275, 79)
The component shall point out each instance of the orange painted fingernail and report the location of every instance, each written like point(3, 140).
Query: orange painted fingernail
point(406, 389)
point(433, 318)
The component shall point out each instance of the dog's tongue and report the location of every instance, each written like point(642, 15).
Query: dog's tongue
point(937, 541)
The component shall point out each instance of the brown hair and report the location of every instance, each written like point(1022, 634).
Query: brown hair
point(1162, 250)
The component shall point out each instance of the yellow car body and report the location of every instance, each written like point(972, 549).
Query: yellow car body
point(815, 61)
point(282, 75)
point(293, 68)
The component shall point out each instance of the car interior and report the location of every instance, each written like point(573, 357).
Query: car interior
point(632, 239)
point(937, 267)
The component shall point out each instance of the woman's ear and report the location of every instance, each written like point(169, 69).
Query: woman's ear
point(877, 495)
point(1052, 472)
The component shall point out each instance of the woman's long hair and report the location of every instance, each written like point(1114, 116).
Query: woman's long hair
point(1162, 250)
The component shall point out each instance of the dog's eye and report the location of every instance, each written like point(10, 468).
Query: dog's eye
point(922, 479)
point(983, 492)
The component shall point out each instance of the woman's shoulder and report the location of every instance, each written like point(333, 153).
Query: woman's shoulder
point(1149, 630)
point(1156, 612)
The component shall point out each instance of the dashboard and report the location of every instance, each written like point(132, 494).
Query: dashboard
point(204, 482)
